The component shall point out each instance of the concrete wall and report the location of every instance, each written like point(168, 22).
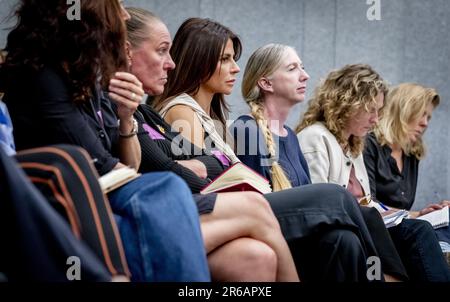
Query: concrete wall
point(410, 43)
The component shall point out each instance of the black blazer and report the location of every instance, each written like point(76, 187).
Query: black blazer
point(162, 147)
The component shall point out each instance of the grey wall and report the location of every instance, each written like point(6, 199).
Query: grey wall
point(410, 43)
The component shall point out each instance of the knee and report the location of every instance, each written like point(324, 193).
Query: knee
point(175, 183)
point(336, 193)
point(371, 213)
point(331, 189)
point(166, 184)
point(419, 228)
point(346, 241)
point(163, 191)
point(261, 260)
point(256, 207)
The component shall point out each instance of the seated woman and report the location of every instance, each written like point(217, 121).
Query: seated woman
point(66, 178)
point(332, 234)
point(240, 232)
point(393, 151)
point(342, 111)
point(54, 79)
point(274, 81)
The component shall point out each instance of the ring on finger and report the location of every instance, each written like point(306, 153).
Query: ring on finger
point(133, 96)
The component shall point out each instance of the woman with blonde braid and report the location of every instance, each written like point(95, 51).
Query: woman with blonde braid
point(275, 81)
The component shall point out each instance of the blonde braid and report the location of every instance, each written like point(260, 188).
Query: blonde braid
point(279, 179)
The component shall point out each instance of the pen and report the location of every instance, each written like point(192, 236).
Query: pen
point(383, 206)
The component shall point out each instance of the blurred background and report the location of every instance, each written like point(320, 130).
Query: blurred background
point(410, 43)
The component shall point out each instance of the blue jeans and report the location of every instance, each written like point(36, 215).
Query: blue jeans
point(159, 226)
point(419, 249)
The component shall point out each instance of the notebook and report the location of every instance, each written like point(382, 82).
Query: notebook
point(392, 218)
point(117, 178)
point(438, 218)
point(238, 177)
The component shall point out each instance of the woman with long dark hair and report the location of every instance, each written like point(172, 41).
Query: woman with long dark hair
point(66, 81)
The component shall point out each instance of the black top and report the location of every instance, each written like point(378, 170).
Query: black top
point(387, 183)
point(161, 146)
point(44, 113)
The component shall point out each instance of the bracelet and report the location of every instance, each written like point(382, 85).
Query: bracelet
point(133, 132)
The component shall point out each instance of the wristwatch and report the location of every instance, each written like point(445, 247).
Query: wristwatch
point(133, 132)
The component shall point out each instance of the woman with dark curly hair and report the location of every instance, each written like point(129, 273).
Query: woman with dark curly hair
point(67, 82)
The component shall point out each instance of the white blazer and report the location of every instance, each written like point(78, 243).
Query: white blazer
point(326, 159)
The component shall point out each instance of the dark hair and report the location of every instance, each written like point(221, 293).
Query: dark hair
point(85, 50)
point(196, 50)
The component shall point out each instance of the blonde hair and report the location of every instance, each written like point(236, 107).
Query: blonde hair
point(405, 103)
point(139, 25)
point(339, 96)
point(262, 63)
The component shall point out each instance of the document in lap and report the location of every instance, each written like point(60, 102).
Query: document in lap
point(238, 177)
point(438, 218)
point(117, 178)
point(392, 218)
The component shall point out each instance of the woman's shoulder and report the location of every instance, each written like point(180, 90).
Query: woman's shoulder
point(44, 77)
point(291, 134)
point(184, 119)
point(316, 136)
point(372, 146)
point(315, 130)
point(180, 111)
point(244, 123)
point(50, 79)
point(371, 140)
point(182, 99)
point(243, 120)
